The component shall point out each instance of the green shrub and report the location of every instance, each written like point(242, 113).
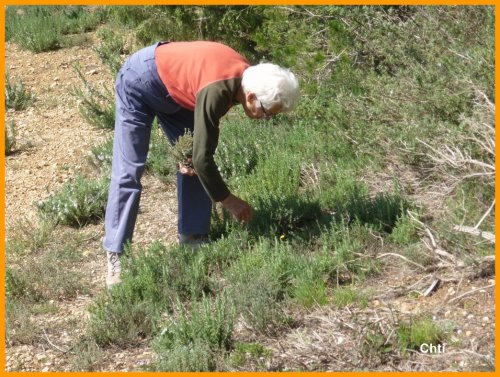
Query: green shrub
point(97, 106)
point(341, 192)
point(130, 16)
point(20, 328)
point(344, 253)
point(116, 320)
point(344, 296)
point(273, 191)
point(310, 291)
point(132, 311)
point(47, 273)
point(259, 283)
point(17, 97)
point(194, 357)
point(110, 49)
point(80, 201)
point(242, 142)
point(193, 341)
point(405, 231)
point(182, 150)
point(248, 352)
point(10, 138)
point(101, 155)
point(152, 279)
point(161, 162)
point(45, 28)
point(412, 334)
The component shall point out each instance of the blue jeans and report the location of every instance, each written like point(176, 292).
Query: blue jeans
point(140, 97)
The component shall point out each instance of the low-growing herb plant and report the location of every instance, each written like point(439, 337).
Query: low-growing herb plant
point(17, 96)
point(10, 138)
point(79, 202)
point(183, 149)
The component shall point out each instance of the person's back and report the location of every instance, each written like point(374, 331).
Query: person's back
point(187, 67)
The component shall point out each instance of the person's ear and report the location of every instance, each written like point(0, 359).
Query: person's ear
point(250, 97)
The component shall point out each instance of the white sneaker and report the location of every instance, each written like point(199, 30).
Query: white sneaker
point(114, 269)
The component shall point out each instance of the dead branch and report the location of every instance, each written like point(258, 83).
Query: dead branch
point(433, 246)
point(53, 345)
point(475, 232)
point(468, 293)
point(402, 257)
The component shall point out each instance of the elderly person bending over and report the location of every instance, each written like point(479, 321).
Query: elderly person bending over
point(186, 85)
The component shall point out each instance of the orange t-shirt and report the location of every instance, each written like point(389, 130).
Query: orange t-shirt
point(187, 67)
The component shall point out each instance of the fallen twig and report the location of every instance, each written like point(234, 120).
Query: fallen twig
point(469, 293)
point(402, 257)
point(53, 345)
point(490, 237)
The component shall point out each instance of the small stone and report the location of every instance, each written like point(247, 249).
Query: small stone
point(486, 319)
point(470, 316)
point(40, 357)
point(468, 333)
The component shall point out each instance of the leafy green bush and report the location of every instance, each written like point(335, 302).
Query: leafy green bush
point(101, 155)
point(10, 138)
point(17, 97)
point(404, 232)
point(119, 321)
point(412, 334)
point(194, 341)
point(273, 190)
point(79, 202)
point(153, 279)
point(110, 49)
point(344, 296)
point(45, 272)
point(259, 283)
point(161, 161)
point(96, 106)
point(310, 290)
point(45, 28)
point(133, 309)
point(210, 321)
point(344, 253)
point(248, 352)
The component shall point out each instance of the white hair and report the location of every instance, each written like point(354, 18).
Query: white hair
point(272, 85)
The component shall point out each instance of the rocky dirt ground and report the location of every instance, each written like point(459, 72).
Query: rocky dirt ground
point(54, 141)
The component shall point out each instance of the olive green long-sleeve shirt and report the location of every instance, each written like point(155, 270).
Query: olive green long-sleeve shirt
point(212, 103)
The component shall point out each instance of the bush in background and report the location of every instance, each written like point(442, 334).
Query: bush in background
point(17, 97)
point(46, 28)
point(10, 137)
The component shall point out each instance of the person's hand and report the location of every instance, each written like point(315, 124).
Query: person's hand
point(238, 208)
point(183, 169)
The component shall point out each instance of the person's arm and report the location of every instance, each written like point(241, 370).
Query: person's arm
point(211, 104)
